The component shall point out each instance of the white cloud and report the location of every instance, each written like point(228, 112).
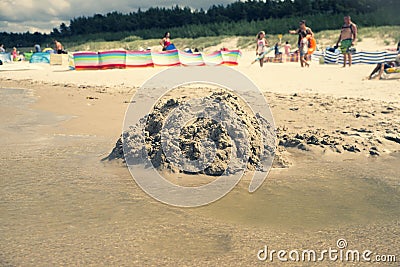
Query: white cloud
point(44, 15)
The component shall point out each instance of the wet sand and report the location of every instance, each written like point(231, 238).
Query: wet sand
point(61, 205)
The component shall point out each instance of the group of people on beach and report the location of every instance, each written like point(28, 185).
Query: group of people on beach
point(305, 33)
point(19, 56)
point(15, 54)
point(347, 39)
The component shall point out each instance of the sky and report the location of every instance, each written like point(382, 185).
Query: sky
point(44, 15)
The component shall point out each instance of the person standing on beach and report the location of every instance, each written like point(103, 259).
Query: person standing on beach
point(2, 50)
point(303, 50)
point(14, 54)
point(59, 47)
point(287, 47)
point(301, 31)
point(37, 48)
point(165, 41)
point(276, 48)
point(260, 47)
point(347, 39)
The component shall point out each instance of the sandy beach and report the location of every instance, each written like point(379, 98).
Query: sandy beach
point(336, 173)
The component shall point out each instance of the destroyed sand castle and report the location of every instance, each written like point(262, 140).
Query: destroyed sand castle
point(237, 133)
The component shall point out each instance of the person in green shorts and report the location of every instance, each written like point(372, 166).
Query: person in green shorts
point(347, 38)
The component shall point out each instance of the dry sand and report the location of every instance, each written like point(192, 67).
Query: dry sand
point(61, 205)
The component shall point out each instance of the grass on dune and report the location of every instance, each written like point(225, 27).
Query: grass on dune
point(389, 35)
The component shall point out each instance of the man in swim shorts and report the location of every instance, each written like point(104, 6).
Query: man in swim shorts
point(347, 38)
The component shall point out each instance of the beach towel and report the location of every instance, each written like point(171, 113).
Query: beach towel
point(392, 70)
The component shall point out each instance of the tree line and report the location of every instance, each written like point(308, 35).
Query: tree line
point(238, 18)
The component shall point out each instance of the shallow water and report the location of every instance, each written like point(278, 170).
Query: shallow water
point(60, 204)
point(333, 193)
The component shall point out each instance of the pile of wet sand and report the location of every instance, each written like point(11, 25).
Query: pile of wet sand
point(221, 137)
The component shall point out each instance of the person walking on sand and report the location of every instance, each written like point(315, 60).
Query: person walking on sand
point(347, 39)
point(303, 29)
point(261, 46)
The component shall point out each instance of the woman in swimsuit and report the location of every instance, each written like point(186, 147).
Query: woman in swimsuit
point(165, 41)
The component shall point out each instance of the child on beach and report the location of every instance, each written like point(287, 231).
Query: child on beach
point(260, 47)
point(303, 50)
point(14, 54)
point(287, 48)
